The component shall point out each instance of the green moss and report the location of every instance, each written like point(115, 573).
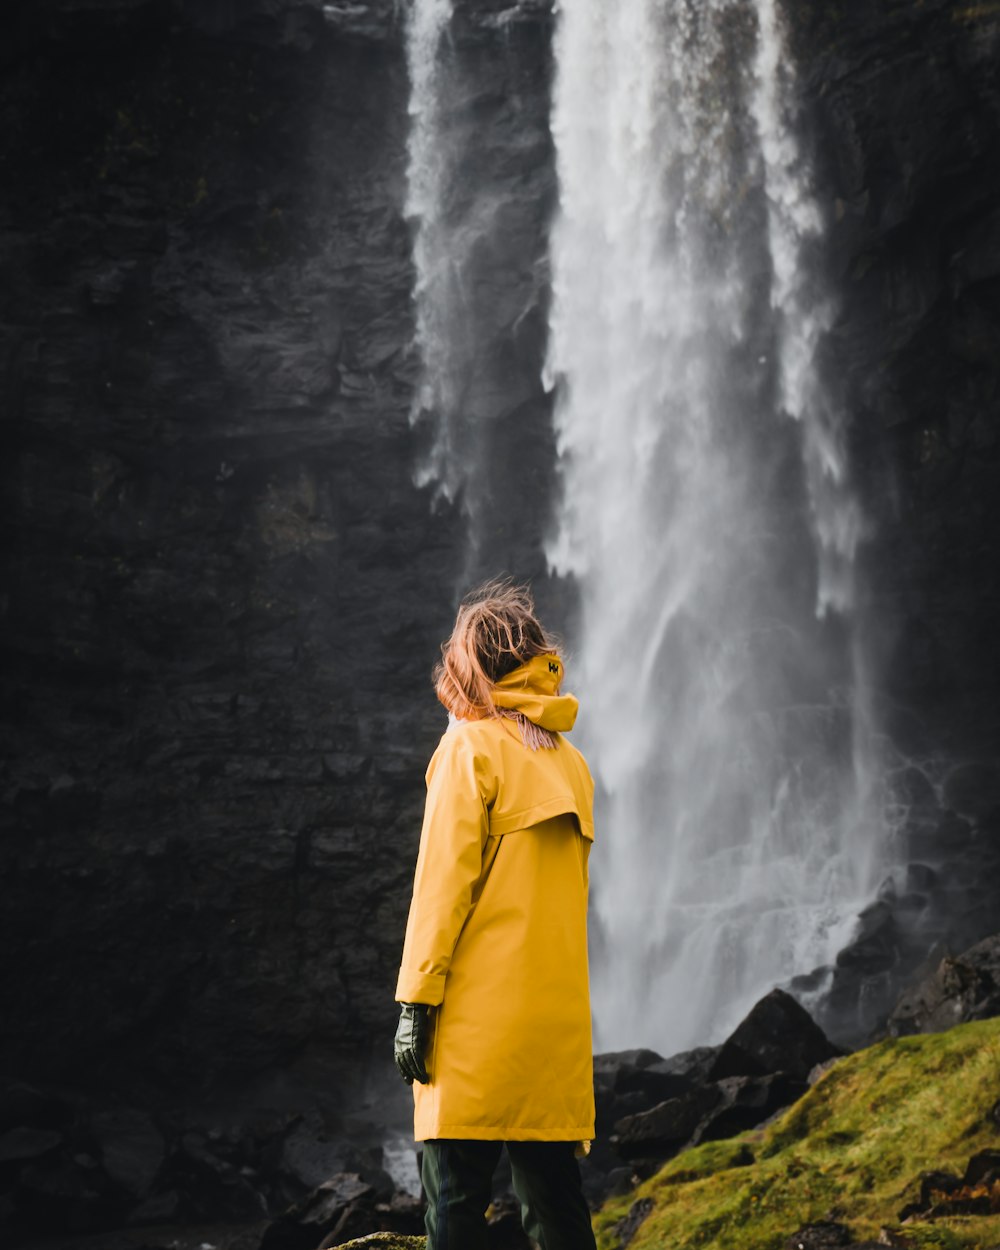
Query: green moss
point(387, 1241)
point(852, 1149)
point(975, 12)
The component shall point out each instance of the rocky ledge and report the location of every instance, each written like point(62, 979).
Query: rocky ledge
point(893, 1146)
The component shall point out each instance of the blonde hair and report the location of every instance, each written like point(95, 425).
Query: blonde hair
point(496, 631)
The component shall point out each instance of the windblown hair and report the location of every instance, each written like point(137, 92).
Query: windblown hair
point(496, 630)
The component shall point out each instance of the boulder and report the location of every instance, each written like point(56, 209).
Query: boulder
point(693, 1064)
point(161, 1208)
point(212, 1187)
point(132, 1148)
point(307, 1223)
point(627, 1227)
point(668, 1126)
point(963, 988)
point(982, 1199)
point(20, 1144)
point(344, 1207)
point(25, 1106)
point(983, 1168)
point(827, 1235)
point(943, 1194)
point(932, 1184)
point(385, 1241)
point(822, 1235)
point(875, 946)
point(609, 1065)
point(656, 1083)
point(778, 1035)
point(747, 1101)
point(309, 1154)
point(54, 1195)
point(630, 1082)
point(643, 1072)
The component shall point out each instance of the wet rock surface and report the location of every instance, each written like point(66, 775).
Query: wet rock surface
point(778, 1035)
point(942, 899)
point(650, 1108)
point(827, 1235)
point(943, 1194)
point(962, 988)
point(224, 592)
point(266, 1178)
point(910, 118)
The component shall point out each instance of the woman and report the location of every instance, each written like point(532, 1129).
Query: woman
point(495, 1019)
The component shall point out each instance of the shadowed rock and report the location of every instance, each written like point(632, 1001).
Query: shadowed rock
point(627, 1227)
point(665, 1128)
point(963, 988)
point(822, 1235)
point(748, 1101)
point(778, 1035)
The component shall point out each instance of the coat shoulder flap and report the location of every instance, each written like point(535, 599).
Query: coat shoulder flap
point(533, 786)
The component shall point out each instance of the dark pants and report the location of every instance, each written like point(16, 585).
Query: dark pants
point(457, 1178)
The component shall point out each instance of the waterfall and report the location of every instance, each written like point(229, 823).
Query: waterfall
point(707, 517)
point(480, 193)
point(437, 295)
point(794, 219)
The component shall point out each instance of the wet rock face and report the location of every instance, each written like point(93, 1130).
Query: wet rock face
point(906, 113)
point(777, 1035)
point(962, 988)
point(287, 1179)
point(650, 1108)
point(225, 592)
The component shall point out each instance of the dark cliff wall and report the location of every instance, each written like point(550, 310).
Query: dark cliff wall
point(223, 591)
point(905, 102)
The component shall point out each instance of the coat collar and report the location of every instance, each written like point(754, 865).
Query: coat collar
point(533, 690)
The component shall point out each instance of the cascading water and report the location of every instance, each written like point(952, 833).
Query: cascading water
point(437, 295)
point(712, 538)
point(478, 202)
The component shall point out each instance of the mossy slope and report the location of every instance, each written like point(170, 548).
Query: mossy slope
point(851, 1150)
point(385, 1241)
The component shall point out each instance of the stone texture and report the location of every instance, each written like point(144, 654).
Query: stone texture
point(777, 1035)
point(18, 1144)
point(132, 1149)
point(386, 1241)
point(909, 118)
point(963, 988)
point(224, 593)
point(748, 1101)
point(665, 1128)
point(823, 1235)
point(627, 1227)
point(287, 1180)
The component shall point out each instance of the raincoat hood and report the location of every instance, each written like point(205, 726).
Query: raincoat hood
point(533, 690)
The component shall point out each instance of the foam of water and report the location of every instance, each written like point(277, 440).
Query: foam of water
point(712, 538)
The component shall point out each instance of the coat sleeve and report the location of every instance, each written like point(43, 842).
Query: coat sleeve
point(449, 863)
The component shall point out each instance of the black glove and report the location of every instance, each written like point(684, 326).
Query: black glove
point(412, 1034)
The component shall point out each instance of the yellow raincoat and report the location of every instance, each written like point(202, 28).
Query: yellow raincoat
point(496, 939)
